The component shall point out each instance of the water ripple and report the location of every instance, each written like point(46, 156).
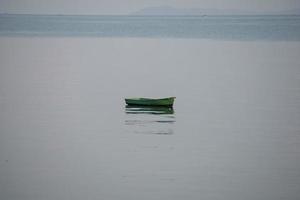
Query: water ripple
point(150, 120)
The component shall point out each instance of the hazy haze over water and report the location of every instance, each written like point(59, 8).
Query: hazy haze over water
point(116, 7)
point(242, 28)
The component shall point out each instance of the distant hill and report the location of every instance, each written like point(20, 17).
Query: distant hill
point(168, 10)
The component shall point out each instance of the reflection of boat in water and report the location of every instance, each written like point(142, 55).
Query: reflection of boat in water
point(156, 120)
point(144, 122)
point(153, 110)
point(167, 102)
point(157, 132)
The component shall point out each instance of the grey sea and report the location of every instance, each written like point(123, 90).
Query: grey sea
point(66, 133)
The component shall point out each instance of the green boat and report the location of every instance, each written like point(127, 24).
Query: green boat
point(167, 102)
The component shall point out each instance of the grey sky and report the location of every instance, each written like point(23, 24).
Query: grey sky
point(128, 6)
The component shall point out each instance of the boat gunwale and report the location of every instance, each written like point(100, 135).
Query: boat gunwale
point(150, 99)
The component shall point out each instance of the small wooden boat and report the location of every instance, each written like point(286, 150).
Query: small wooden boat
point(167, 102)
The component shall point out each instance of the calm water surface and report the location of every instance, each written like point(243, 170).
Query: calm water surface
point(65, 132)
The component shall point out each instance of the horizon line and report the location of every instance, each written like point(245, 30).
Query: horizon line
point(156, 15)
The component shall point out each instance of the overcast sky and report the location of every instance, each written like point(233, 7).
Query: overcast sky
point(128, 6)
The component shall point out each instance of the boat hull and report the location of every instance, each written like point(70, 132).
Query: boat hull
point(167, 102)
